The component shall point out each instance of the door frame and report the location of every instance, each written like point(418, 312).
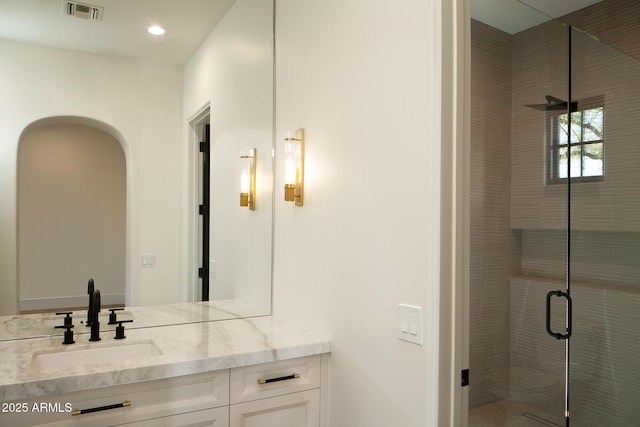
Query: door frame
point(196, 121)
point(455, 215)
point(453, 396)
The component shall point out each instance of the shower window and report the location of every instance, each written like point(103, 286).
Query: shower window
point(577, 142)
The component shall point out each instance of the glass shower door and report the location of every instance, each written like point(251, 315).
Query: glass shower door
point(539, 294)
point(518, 226)
point(604, 270)
point(555, 222)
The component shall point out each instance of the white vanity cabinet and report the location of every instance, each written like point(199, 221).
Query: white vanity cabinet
point(290, 395)
point(285, 393)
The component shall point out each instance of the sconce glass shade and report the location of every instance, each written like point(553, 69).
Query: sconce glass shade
point(294, 167)
point(290, 161)
point(248, 179)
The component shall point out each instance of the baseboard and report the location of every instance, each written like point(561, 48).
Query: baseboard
point(34, 305)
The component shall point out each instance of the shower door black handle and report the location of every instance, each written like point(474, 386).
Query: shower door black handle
point(558, 335)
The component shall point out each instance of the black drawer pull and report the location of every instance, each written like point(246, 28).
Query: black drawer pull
point(273, 380)
point(101, 408)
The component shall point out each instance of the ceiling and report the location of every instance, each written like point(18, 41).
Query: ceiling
point(122, 30)
point(513, 16)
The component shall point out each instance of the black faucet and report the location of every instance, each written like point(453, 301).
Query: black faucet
point(68, 321)
point(68, 325)
point(90, 290)
point(95, 323)
point(113, 317)
point(120, 329)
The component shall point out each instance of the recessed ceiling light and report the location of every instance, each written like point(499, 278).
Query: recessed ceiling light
point(156, 30)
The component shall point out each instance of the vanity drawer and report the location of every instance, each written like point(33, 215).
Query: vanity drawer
point(216, 417)
point(273, 379)
point(150, 399)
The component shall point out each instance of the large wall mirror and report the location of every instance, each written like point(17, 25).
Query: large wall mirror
point(103, 169)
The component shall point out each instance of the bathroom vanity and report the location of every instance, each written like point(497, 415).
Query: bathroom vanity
point(241, 372)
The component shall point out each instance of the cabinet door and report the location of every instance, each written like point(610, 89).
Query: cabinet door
point(217, 417)
point(292, 410)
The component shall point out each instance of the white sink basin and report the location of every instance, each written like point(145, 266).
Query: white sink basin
point(87, 355)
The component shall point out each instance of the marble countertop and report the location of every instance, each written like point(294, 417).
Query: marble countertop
point(42, 324)
point(182, 350)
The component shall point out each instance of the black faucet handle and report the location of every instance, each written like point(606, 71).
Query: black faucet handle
point(95, 323)
point(90, 290)
point(113, 316)
point(68, 321)
point(68, 334)
point(120, 329)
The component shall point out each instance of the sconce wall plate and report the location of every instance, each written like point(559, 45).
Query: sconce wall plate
point(248, 180)
point(294, 164)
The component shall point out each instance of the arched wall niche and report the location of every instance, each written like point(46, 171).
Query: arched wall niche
point(72, 213)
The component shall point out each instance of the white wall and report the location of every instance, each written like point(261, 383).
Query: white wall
point(72, 216)
point(233, 72)
point(142, 101)
point(362, 78)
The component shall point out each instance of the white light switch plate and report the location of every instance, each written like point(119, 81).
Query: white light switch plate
point(147, 261)
point(410, 323)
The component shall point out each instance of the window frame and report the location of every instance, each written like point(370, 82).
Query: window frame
point(553, 147)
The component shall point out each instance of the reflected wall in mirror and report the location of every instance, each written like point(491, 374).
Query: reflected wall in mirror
point(145, 93)
point(232, 77)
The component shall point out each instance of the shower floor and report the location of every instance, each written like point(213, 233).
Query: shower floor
point(510, 414)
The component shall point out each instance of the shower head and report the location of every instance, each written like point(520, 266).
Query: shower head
point(553, 104)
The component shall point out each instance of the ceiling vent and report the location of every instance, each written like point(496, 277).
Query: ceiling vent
point(83, 10)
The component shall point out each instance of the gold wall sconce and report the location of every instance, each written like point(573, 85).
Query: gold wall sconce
point(248, 179)
point(294, 168)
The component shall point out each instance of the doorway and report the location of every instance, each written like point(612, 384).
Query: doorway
point(555, 221)
point(201, 137)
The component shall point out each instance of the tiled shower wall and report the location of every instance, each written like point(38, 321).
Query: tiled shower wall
point(605, 214)
point(540, 67)
point(494, 246)
point(615, 22)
